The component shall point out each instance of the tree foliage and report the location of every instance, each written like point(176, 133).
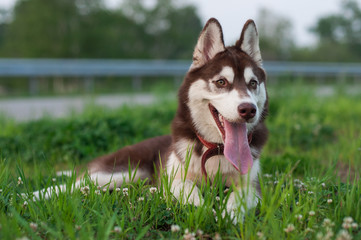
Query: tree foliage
point(86, 29)
point(339, 36)
point(276, 39)
point(167, 29)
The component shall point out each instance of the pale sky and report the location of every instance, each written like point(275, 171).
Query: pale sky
point(232, 14)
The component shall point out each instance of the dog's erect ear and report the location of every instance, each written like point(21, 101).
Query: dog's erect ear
point(249, 42)
point(210, 42)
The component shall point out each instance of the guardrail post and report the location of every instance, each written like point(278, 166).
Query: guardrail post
point(33, 86)
point(137, 83)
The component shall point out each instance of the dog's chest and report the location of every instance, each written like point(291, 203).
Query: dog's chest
point(184, 151)
point(213, 165)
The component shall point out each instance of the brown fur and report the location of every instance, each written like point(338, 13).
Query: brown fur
point(149, 154)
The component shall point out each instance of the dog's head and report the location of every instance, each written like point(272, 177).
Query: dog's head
point(225, 89)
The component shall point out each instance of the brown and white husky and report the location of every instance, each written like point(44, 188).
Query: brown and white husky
point(222, 105)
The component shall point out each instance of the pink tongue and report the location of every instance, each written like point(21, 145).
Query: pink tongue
point(236, 147)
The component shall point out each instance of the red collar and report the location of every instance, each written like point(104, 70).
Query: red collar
point(213, 150)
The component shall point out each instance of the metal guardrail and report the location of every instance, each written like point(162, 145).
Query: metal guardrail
point(90, 68)
point(97, 68)
point(313, 69)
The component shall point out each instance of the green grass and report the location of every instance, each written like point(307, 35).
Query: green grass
point(313, 143)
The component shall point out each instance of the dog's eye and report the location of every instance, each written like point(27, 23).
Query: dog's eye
point(253, 83)
point(222, 82)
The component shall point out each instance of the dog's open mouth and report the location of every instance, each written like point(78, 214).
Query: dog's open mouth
point(218, 118)
point(236, 141)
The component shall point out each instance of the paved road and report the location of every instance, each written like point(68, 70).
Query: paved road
point(33, 108)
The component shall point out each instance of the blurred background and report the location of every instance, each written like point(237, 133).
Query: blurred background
point(103, 47)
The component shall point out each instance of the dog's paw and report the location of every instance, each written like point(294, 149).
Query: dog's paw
point(238, 205)
point(186, 192)
point(234, 209)
point(194, 198)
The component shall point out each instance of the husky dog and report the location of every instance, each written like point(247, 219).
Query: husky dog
point(222, 105)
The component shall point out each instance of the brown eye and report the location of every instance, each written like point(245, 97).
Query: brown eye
point(222, 82)
point(253, 83)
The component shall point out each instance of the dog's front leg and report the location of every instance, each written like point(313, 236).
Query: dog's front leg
point(186, 192)
point(239, 201)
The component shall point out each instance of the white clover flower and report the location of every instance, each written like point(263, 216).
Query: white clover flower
point(85, 190)
point(348, 220)
point(214, 212)
point(97, 192)
point(199, 233)
point(289, 228)
point(153, 190)
point(168, 209)
point(175, 228)
point(33, 226)
point(329, 234)
point(354, 225)
point(125, 192)
point(311, 213)
point(117, 229)
point(343, 235)
point(260, 235)
point(299, 217)
point(217, 199)
point(20, 181)
point(117, 189)
point(327, 223)
point(217, 236)
point(323, 185)
point(105, 189)
point(53, 179)
point(319, 236)
point(329, 201)
point(346, 225)
point(189, 235)
point(140, 199)
point(310, 192)
point(307, 230)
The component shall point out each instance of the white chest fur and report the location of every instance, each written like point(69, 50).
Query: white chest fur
point(178, 159)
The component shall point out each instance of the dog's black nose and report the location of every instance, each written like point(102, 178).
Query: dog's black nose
point(247, 111)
